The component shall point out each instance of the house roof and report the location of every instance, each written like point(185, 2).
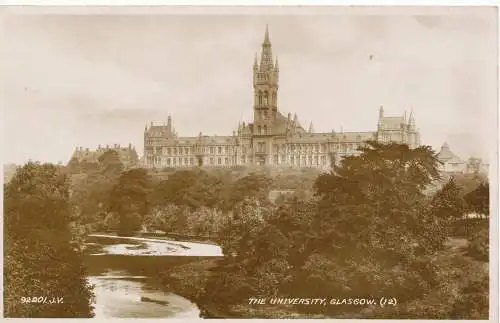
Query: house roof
point(446, 155)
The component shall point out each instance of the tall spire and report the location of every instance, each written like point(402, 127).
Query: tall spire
point(266, 36)
point(411, 120)
point(276, 67)
point(266, 58)
point(255, 62)
point(311, 128)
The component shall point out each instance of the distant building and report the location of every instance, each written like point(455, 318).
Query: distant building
point(476, 165)
point(272, 139)
point(451, 163)
point(128, 155)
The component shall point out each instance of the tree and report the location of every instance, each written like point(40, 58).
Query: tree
point(110, 162)
point(40, 257)
point(447, 203)
point(370, 220)
point(252, 185)
point(129, 199)
point(478, 200)
point(192, 188)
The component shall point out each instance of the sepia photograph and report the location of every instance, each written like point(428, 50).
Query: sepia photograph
point(250, 162)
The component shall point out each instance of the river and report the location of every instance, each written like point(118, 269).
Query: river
point(124, 272)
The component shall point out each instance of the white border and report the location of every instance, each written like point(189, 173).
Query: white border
point(186, 6)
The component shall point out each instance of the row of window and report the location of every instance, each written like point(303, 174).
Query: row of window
point(284, 160)
point(261, 147)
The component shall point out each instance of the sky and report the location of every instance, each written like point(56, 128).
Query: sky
point(95, 78)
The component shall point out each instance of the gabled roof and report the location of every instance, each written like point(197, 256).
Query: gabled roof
point(446, 155)
point(393, 122)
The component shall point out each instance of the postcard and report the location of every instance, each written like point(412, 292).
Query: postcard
point(327, 162)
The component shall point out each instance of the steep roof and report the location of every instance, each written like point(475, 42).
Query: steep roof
point(446, 155)
point(393, 122)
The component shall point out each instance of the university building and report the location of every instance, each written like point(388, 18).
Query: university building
point(127, 154)
point(271, 138)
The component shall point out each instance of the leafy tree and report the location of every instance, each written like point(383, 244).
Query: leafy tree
point(446, 209)
point(129, 199)
point(192, 188)
point(110, 162)
point(252, 185)
point(447, 203)
point(40, 258)
point(111, 222)
point(239, 240)
point(478, 200)
point(479, 244)
point(370, 221)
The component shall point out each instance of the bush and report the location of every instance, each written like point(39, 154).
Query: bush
point(479, 245)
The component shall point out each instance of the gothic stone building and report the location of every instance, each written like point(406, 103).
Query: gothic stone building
point(128, 155)
point(272, 139)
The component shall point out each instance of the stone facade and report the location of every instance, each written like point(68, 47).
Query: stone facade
point(128, 155)
point(272, 139)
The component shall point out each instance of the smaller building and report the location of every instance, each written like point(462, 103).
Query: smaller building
point(476, 166)
point(451, 163)
point(128, 155)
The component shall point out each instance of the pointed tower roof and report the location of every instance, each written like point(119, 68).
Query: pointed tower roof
point(445, 154)
point(276, 67)
point(311, 129)
point(266, 58)
point(266, 35)
point(411, 120)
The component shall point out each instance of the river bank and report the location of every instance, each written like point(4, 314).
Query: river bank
point(188, 280)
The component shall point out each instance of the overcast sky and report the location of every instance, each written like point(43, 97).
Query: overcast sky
point(83, 80)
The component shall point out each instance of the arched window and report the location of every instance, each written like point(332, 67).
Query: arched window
point(260, 98)
point(266, 97)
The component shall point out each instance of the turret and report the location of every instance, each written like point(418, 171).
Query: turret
point(311, 129)
point(381, 112)
point(411, 122)
point(169, 124)
point(380, 118)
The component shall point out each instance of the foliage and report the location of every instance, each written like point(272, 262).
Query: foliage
point(479, 243)
point(110, 162)
point(371, 221)
point(129, 199)
point(366, 228)
point(41, 255)
point(447, 203)
point(478, 200)
point(253, 185)
point(192, 188)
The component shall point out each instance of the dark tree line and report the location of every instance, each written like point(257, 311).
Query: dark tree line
point(370, 231)
point(41, 255)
